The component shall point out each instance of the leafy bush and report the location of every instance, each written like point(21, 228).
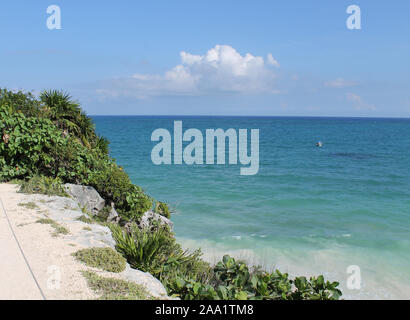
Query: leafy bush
point(26, 145)
point(54, 139)
point(162, 209)
point(240, 283)
point(114, 185)
point(102, 258)
point(191, 289)
point(21, 102)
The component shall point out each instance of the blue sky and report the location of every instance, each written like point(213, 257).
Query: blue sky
point(190, 57)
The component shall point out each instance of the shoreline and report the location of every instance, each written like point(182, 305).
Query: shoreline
point(331, 262)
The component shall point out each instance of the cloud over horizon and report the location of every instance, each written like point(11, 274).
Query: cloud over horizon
point(221, 69)
point(358, 103)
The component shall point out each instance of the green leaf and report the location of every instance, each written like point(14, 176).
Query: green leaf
point(242, 295)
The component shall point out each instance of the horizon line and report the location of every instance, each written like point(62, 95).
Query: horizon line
point(243, 116)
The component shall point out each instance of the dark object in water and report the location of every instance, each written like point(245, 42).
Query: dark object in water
point(319, 144)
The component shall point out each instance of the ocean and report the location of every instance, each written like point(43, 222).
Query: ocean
point(308, 211)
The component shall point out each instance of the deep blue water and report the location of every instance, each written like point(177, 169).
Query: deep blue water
point(308, 210)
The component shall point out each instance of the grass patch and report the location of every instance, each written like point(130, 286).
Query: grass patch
point(16, 181)
point(114, 289)
point(102, 258)
point(87, 229)
point(43, 185)
point(29, 205)
point(59, 229)
point(85, 219)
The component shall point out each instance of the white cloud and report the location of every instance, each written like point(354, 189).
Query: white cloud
point(358, 103)
point(221, 69)
point(272, 61)
point(339, 83)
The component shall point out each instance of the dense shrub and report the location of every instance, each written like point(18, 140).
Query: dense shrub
point(36, 146)
point(162, 209)
point(239, 282)
point(114, 185)
point(234, 281)
point(20, 101)
point(26, 145)
point(54, 138)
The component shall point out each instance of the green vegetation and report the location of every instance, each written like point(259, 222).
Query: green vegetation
point(15, 181)
point(29, 205)
point(187, 276)
point(52, 137)
point(162, 209)
point(43, 185)
point(59, 229)
point(102, 258)
point(157, 252)
point(85, 219)
point(48, 141)
point(114, 289)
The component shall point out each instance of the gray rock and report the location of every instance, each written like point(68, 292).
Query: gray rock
point(149, 217)
point(152, 284)
point(87, 197)
point(113, 215)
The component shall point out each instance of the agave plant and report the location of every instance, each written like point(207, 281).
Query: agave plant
point(142, 249)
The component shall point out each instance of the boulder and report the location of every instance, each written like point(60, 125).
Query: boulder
point(150, 217)
point(145, 279)
point(87, 197)
point(113, 215)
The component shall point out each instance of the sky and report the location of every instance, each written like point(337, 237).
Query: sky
point(254, 58)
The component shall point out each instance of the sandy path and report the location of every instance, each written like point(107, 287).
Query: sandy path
point(16, 280)
point(58, 274)
point(49, 255)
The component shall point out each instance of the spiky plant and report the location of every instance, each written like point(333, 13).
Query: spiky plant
point(67, 115)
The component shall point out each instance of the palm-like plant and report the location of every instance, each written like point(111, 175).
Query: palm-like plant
point(67, 115)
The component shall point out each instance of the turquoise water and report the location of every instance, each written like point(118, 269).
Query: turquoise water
point(309, 210)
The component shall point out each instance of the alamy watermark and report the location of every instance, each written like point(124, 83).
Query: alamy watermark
point(54, 20)
point(354, 281)
point(354, 21)
point(193, 153)
point(54, 280)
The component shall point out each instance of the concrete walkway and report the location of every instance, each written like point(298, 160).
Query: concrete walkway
point(16, 280)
